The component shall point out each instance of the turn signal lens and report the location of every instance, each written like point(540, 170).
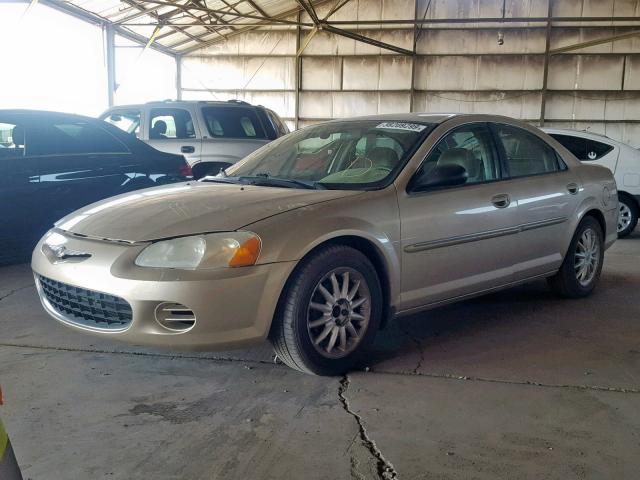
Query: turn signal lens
point(247, 254)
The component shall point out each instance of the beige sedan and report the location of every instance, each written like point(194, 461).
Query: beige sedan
point(318, 239)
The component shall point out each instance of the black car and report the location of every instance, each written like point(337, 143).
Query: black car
point(54, 163)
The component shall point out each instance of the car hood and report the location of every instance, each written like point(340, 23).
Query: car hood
point(186, 209)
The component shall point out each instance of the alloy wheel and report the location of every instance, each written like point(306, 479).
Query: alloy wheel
point(339, 312)
point(587, 257)
point(624, 216)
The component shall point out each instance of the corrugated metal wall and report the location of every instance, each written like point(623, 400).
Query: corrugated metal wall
point(458, 67)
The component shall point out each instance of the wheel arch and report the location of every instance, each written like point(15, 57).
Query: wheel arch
point(370, 250)
point(599, 216)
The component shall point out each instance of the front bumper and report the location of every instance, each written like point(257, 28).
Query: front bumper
point(233, 307)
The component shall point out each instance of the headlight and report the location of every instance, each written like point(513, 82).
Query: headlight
point(214, 250)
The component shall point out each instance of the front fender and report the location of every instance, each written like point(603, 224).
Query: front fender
point(370, 216)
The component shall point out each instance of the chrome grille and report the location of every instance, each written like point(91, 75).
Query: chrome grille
point(86, 307)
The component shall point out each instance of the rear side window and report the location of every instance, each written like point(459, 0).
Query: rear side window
point(526, 153)
point(280, 127)
point(11, 140)
point(70, 137)
point(233, 122)
point(584, 149)
point(127, 121)
point(168, 123)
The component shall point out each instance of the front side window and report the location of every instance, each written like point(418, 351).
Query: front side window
point(233, 122)
point(170, 123)
point(70, 137)
point(584, 149)
point(470, 147)
point(526, 154)
point(351, 155)
point(126, 120)
point(12, 140)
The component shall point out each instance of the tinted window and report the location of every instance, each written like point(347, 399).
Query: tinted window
point(11, 140)
point(470, 147)
point(526, 153)
point(233, 122)
point(280, 127)
point(170, 123)
point(583, 148)
point(70, 137)
point(127, 121)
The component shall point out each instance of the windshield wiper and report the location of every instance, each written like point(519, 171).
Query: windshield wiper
point(263, 179)
point(210, 178)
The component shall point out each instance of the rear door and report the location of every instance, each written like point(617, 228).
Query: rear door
point(173, 130)
point(78, 163)
point(232, 133)
point(546, 193)
point(21, 209)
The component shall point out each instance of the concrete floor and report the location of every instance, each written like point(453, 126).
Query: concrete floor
point(517, 384)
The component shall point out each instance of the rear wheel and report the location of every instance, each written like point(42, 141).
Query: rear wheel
point(580, 270)
point(329, 313)
point(627, 215)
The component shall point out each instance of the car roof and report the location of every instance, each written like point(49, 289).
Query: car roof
point(18, 111)
point(569, 131)
point(426, 117)
point(170, 103)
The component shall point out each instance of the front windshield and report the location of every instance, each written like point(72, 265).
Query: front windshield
point(353, 154)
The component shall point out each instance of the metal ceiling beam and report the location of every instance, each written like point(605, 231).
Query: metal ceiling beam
point(223, 13)
point(592, 43)
point(427, 21)
point(94, 19)
point(160, 18)
point(364, 39)
point(288, 13)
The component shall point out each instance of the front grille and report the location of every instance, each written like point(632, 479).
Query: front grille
point(86, 307)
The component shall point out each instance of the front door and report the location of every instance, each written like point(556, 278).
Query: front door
point(173, 130)
point(458, 240)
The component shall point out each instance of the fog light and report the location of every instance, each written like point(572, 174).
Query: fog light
point(175, 317)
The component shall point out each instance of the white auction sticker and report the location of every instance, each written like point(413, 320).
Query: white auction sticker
point(412, 127)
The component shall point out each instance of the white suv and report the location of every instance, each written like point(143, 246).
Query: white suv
point(620, 158)
point(210, 135)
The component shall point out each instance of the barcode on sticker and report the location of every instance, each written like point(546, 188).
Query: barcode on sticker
point(412, 127)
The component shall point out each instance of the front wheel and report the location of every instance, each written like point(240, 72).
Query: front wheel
point(627, 215)
point(580, 270)
point(329, 313)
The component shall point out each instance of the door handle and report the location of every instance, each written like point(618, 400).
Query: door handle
point(501, 201)
point(187, 149)
point(572, 188)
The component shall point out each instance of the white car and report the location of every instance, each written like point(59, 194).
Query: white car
point(620, 158)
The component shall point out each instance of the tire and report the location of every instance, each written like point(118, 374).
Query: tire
point(569, 282)
point(627, 215)
point(307, 318)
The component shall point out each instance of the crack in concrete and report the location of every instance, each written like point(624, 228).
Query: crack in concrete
point(15, 290)
point(418, 344)
point(386, 470)
point(445, 376)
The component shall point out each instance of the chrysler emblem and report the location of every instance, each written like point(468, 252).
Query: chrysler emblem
point(63, 253)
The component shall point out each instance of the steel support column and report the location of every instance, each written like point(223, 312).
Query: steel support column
point(545, 72)
point(110, 54)
point(178, 77)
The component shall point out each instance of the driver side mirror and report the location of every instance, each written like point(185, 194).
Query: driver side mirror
point(441, 176)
